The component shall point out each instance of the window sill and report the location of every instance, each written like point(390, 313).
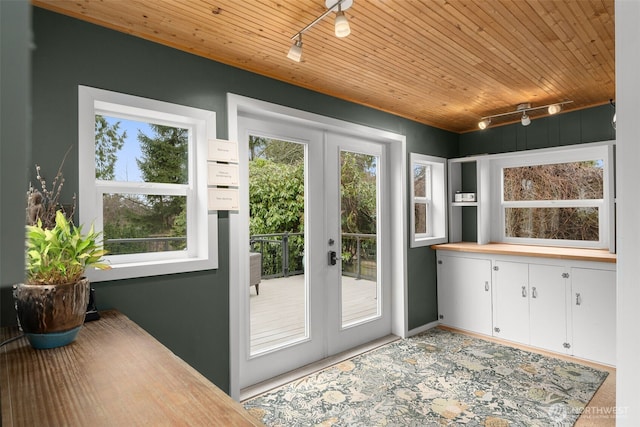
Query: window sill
point(152, 268)
point(429, 241)
point(598, 255)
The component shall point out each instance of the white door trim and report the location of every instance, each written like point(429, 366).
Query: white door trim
point(238, 221)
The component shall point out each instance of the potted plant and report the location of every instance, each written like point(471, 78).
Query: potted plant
point(52, 303)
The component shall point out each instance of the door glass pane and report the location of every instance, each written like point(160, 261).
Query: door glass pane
point(359, 218)
point(278, 286)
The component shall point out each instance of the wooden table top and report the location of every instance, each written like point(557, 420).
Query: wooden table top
point(114, 374)
point(579, 254)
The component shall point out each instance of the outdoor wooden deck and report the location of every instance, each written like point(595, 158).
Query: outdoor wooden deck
point(277, 314)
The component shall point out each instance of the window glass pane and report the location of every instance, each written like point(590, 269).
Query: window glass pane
point(561, 181)
point(420, 218)
point(553, 223)
point(134, 151)
point(136, 223)
point(420, 180)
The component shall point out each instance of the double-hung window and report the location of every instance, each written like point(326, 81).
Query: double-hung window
point(559, 197)
point(428, 207)
point(143, 183)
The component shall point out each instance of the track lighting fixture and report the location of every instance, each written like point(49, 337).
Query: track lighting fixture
point(484, 123)
point(342, 25)
point(613, 120)
point(522, 109)
point(295, 52)
point(342, 28)
point(554, 108)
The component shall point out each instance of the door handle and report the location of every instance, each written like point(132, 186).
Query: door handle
point(524, 292)
point(333, 258)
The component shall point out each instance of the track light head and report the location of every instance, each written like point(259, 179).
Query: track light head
point(554, 108)
point(295, 52)
point(484, 123)
point(613, 119)
point(342, 25)
point(525, 120)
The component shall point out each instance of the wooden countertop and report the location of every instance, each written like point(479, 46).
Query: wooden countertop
point(114, 374)
point(580, 254)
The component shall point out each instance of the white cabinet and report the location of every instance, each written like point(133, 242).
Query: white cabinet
point(511, 296)
point(464, 293)
point(530, 304)
point(560, 305)
point(593, 308)
point(548, 327)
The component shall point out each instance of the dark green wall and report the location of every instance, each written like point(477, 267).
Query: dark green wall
point(189, 313)
point(15, 33)
point(421, 262)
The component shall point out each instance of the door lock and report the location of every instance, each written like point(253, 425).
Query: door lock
point(333, 258)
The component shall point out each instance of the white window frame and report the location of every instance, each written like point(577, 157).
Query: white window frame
point(583, 152)
point(202, 225)
point(436, 200)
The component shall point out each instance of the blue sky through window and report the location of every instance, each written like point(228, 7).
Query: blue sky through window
point(126, 168)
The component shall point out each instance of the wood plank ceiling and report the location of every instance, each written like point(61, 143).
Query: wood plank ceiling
point(444, 63)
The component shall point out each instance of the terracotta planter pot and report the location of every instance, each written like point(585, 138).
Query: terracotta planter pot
point(51, 315)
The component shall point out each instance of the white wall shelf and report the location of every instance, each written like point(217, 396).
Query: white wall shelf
point(481, 189)
point(464, 204)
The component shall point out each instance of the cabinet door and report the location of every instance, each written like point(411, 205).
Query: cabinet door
point(594, 314)
point(547, 308)
point(511, 301)
point(464, 293)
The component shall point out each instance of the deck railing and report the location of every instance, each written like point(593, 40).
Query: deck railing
point(283, 254)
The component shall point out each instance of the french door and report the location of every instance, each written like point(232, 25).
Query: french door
point(324, 284)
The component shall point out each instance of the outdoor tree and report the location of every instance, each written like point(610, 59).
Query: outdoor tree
point(276, 196)
point(164, 159)
point(358, 188)
point(109, 140)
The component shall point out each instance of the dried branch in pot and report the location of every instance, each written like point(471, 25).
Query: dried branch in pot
point(43, 203)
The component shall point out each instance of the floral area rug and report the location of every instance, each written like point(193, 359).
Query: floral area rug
point(436, 378)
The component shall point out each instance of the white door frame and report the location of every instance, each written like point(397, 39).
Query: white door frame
point(238, 221)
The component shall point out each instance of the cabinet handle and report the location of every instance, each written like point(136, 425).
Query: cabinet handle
point(578, 299)
point(534, 292)
point(486, 286)
point(524, 292)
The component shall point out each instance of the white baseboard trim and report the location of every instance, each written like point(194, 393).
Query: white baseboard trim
point(420, 329)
